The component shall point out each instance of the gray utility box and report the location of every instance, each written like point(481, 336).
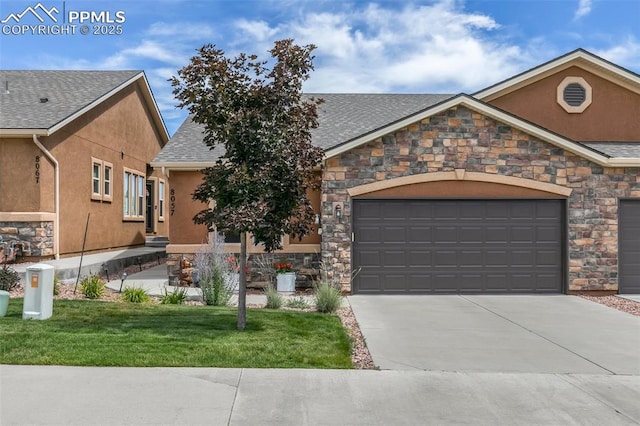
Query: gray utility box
point(38, 292)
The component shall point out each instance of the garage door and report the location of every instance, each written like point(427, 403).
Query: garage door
point(629, 246)
point(458, 246)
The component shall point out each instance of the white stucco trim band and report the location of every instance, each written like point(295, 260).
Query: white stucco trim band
point(27, 217)
point(459, 174)
point(186, 166)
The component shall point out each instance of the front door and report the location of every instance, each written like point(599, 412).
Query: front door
point(149, 217)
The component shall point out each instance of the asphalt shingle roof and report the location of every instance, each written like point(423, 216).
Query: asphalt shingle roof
point(341, 117)
point(67, 93)
point(186, 146)
point(616, 149)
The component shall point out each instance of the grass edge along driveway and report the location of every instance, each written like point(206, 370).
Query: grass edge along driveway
point(93, 333)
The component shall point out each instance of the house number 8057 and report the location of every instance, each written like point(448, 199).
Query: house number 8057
point(37, 169)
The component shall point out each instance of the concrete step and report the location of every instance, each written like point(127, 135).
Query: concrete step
point(156, 241)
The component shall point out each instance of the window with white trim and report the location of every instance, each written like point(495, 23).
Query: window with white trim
point(133, 195)
point(107, 176)
point(161, 200)
point(101, 176)
point(140, 193)
point(96, 179)
point(125, 191)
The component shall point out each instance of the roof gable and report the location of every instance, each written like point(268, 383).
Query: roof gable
point(580, 58)
point(582, 150)
point(41, 102)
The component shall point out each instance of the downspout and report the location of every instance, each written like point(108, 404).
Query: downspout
point(56, 221)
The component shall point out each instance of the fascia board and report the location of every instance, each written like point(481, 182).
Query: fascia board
point(181, 166)
point(176, 166)
point(623, 162)
point(23, 133)
point(157, 116)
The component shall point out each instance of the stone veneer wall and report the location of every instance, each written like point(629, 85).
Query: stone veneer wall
point(39, 235)
point(463, 139)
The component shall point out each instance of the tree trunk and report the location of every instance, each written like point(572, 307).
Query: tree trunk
point(242, 290)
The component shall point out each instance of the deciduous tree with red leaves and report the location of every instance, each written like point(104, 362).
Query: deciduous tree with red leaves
point(254, 109)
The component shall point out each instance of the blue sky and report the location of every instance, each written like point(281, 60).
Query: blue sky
point(444, 46)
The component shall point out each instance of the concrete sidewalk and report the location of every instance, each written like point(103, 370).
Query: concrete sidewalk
point(38, 395)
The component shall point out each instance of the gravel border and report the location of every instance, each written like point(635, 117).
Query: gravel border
point(625, 305)
point(359, 352)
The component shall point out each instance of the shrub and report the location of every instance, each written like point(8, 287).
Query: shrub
point(216, 290)
point(274, 299)
point(177, 297)
point(297, 303)
point(92, 286)
point(56, 286)
point(9, 278)
point(212, 264)
point(135, 295)
point(327, 297)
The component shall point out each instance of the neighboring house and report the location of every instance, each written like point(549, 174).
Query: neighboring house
point(74, 144)
point(529, 186)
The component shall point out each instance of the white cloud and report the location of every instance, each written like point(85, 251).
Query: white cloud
point(626, 54)
point(584, 8)
point(422, 49)
point(150, 49)
point(181, 30)
point(258, 30)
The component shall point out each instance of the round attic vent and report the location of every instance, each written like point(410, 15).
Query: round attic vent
point(574, 94)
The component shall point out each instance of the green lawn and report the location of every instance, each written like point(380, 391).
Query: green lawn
point(118, 334)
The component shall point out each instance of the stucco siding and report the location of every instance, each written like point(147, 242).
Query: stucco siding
point(119, 132)
point(26, 177)
point(612, 116)
point(182, 209)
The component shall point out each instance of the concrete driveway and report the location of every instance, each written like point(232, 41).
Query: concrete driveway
point(509, 334)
